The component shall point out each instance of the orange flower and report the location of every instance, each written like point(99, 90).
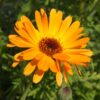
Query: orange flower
point(54, 45)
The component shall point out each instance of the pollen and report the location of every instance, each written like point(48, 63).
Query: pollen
point(50, 46)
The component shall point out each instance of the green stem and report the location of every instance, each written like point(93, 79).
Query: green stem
point(24, 95)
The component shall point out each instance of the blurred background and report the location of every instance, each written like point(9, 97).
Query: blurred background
point(15, 86)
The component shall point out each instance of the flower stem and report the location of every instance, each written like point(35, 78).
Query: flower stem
point(24, 95)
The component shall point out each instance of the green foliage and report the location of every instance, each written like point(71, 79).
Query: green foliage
point(15, 86)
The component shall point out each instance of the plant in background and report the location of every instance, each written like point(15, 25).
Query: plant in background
point(14, 85)
point(56, 45)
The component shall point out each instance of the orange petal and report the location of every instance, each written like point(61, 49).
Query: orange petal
point(79, 51)
point(39, 56)
point(77, 37)
point(20, 42)
point(72, 29)
point(59, 78)
point(52, 19)
point(43, 63)
point(30, 67)
point(65, 24)
point(29, 28)
point(75, 34)
point(44, 21)
point(38, 76)
point(38, 21)
point(30, 54)
point(23, 34)
point(68, 68)
point(77, 59)
point(87, 53)
point(57, 22)
point(78, 43)
point(19, 25)
point(66, 43)
point(52, 65)
point(58, 66)
point(10, 45)
point(18, 57)
point(61, 56)
point(15, 63)
point(26, 54)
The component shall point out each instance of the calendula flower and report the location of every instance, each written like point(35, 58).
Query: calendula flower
point(54, 45)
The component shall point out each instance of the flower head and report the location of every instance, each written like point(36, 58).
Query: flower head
point(55, 44)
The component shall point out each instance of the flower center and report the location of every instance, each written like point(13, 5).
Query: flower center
point(50, 46)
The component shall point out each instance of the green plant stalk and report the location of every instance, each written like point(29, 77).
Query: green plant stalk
point(24, 95)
